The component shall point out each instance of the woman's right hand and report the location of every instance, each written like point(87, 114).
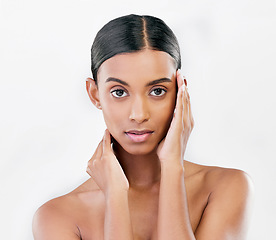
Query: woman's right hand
point(105, 168)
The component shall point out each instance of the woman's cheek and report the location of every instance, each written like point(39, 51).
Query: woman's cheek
point(113, 114)
point(166, 114)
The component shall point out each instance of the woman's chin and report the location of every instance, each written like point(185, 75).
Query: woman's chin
point(137, 149)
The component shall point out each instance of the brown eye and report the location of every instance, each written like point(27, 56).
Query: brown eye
point(158, 92)
point(118, 93)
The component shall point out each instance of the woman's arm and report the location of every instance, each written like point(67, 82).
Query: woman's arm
point(173, 216)
point(229, 208)
point(117, 223)
point(226, 216)
point(51, 222)
point(227, 212)
point(106, 171)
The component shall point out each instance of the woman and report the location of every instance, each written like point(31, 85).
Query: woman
point(140, 186)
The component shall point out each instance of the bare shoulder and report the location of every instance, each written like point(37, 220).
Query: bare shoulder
point(229, 204)
point(60, 217)
point(219, 177)
point(229, 179)
point(53, 220)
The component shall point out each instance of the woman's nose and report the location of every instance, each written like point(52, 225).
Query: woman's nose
point(139, 111)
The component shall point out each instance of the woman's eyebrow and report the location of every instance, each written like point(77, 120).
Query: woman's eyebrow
point(112, 79)
point(160, 80)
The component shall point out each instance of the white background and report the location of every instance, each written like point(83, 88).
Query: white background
point(49, 128)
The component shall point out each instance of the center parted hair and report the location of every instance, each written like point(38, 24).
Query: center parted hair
point(132, 33)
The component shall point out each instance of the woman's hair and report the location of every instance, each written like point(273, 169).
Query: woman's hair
point(132, 33)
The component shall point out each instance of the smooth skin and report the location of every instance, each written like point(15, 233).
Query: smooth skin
point(145, 190)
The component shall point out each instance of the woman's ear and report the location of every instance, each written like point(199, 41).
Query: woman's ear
point(93, 93)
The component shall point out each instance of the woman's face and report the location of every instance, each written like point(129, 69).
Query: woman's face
point(137, 94)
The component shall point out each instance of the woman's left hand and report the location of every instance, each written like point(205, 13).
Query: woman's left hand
point(172, 148)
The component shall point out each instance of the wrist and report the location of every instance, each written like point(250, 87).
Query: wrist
point(172, 167)
point(114, 194)
point(171, 159)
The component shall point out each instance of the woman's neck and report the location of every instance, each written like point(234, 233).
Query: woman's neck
point(142, 171)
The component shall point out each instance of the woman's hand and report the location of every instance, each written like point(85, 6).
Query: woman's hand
point(105, 169)
point(173, 146)
point(173, 219)
point(107, 172)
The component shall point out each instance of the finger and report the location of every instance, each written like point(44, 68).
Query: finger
point(179, 105)
point(179, 93)
point(188, 119)
point(180, 80)
point(89, 171)
point(190, 111)
point(106, 141)
point(90, 167)
point(185, 117)
point(98, 150)
point(97, 155)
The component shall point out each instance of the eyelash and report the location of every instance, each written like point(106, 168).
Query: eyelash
point(116, 90)
point(159, 88)
point(119, 89)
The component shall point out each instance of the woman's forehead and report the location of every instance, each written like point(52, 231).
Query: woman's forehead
point(146, 64)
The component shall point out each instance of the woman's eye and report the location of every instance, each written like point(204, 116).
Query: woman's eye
point(118, 93)
point(158, 92)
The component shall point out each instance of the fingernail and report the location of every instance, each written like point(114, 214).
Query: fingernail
point(185, 81)
point(179, 72)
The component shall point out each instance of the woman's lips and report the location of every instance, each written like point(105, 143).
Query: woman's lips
point(139, 136)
